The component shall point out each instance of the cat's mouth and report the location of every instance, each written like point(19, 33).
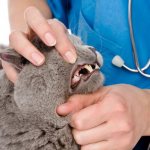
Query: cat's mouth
point(83, 72)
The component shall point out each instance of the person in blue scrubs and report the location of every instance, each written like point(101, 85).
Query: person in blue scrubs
point(104, 25)
point(116, 116)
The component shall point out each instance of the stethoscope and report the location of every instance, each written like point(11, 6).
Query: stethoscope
point(119, 62)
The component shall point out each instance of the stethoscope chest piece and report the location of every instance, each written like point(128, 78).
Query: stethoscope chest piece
point(119, 62)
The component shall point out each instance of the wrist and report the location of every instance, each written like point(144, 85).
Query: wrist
point(147, 131)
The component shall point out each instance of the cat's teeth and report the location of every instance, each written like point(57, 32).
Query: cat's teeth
point(89, 68)
point(96, 66)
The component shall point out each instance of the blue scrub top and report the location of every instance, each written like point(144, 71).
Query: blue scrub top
point(104, 25)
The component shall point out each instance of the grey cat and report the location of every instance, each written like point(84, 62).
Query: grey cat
point(28, 118)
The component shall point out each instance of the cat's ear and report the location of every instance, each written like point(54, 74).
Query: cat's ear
point(10, 56)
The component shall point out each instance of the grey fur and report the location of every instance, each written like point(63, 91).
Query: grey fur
point(28, 118)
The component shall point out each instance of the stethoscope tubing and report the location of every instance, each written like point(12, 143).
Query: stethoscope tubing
point(134, 50)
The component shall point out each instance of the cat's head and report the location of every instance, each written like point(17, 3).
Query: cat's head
point(39, 90)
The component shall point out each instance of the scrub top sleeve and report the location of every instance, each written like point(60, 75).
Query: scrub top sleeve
point(59, 10)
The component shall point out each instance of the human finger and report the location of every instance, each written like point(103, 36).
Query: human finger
point(75, 103)
point(10, 71)
point(23, 46)
point(103, 145)
point(98, 113)
point(94, 135)
point(80, 101)
point(51, 32)
point(111, 129)
point(63, 45)
point(117, 143)
point(39, 25)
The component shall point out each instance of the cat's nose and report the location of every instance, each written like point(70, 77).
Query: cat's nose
point(99, 58)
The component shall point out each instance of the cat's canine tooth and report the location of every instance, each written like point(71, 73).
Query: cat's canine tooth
point(89, 68)
point(96, 66)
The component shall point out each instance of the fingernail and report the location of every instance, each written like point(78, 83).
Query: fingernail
point(62, 107)
point(71, 58)
point(50, 40)
point(61, 110)
point(37, 58)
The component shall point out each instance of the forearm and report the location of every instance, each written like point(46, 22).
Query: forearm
point(148, 112)
point(16, 12)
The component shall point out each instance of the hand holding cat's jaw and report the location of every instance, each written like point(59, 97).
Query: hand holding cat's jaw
point(80, 101)
point(108, 115)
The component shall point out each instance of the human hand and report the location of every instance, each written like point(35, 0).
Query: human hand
point(114, 117)
point(52, 33)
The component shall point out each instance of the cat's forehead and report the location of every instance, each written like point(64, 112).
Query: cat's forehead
point(85, 52)
point(81, 48)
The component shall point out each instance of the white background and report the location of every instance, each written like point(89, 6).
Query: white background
point(4, 24)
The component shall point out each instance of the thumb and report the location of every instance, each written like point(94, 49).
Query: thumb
point(75, 103)
point(78, 102)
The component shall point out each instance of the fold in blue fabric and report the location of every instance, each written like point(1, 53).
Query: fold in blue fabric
point(59, 9)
